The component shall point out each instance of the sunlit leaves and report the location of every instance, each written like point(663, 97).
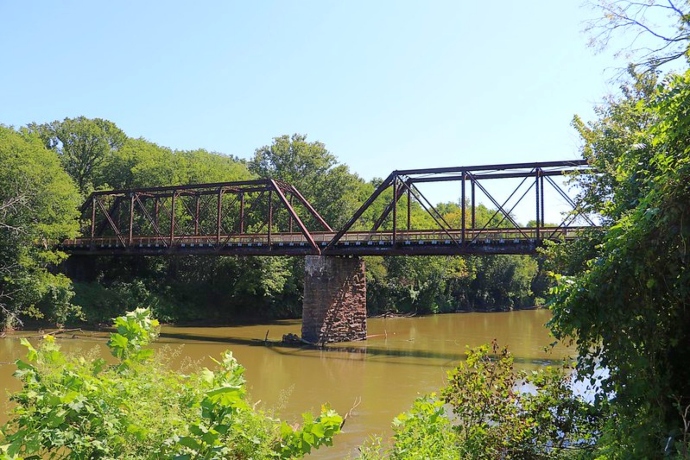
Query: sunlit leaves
point(488, 410)
point(140, 163)
point(138, 408)
point(312, 434)
point(38, 205)
point(330, 187)
point(627, 303)
point(82, 144)
point(135, 330)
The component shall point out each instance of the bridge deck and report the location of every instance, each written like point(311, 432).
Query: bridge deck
point(428, 242)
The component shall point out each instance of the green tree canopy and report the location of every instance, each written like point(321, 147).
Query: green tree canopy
point(38, 207)
point(330, 187)
point(627, 303)
point(82, 144)
point(141, 163)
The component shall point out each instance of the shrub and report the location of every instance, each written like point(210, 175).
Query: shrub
point(489, 410)
point(71, 407)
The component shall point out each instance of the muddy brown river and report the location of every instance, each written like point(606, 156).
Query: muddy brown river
point(403, 358)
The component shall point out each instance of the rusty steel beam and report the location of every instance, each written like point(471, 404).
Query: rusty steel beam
point(570, 201)
point(112, 223)
point(462, 208)
point(198, 213)
point(241, 213)
point(438, 218)
point(172, 220)
point(219, 211)
point(103, 224)
point(499, 207)
point(131, 219)
point(259, 183)
point(270, 215)
point(473, 188)
point(300, 224)
point(409, 178)
point(397, 194)
point(492, 241)
point(498, 167)
point(296, 193)
point(384, 185)
point(93, 214)
point(409, 208)
point(490, 176)
point(147, 215)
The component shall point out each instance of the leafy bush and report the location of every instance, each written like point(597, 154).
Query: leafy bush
point(71, 407)
point(489, 410)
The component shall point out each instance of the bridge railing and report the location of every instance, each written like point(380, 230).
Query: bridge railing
point(323, 238)
point(554, 233)
point(191, 241)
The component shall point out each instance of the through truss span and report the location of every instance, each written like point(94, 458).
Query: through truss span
point(271, 218)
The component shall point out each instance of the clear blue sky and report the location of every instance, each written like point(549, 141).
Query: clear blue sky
point(384, 84)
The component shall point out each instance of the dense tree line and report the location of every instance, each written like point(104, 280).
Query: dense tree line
point(81, 155)
point(625, 291)
point(38, 207)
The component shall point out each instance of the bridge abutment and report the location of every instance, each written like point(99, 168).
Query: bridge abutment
point(335, 297)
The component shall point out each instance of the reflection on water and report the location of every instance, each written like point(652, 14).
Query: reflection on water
point(403, 358)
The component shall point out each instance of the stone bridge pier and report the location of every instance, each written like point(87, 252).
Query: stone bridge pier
point(335, 299)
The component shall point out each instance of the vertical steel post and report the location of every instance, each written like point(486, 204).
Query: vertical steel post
point(290, 216)
point(219, 217)
point(541, 178)
point(536, 183)
point(131, 219)
point(172, 219)
point(270, 215)
point(156, 211)
point(241, 213)
point(474, 214)
point(395, 209)
point(409, 208)
point(93, 218)
point(196, 215)
point(462, 206)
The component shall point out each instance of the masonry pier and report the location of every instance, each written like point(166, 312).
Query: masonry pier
point(335, 298)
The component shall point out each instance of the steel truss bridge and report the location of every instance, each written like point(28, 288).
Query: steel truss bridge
point(271, 218)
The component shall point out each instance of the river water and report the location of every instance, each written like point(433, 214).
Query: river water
point(403, 358)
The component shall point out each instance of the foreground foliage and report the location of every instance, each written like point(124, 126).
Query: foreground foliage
point(72, 407)
point(496, 412)
point(626, 299)
point(626, 294)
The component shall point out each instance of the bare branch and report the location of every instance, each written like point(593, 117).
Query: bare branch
point(662, 27)
point(10, 316)
point(11, 206)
